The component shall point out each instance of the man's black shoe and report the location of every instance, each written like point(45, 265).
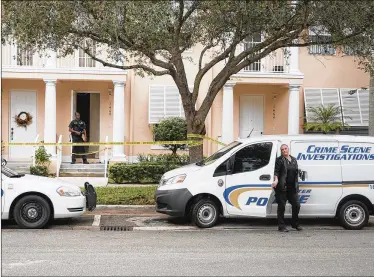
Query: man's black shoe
point(86, 162)
point(298, 228)
point(283, 229)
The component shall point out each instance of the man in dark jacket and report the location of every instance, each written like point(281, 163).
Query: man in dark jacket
point(77, 128)
point(286, 187)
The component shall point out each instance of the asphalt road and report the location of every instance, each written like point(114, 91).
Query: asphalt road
point(203, 252)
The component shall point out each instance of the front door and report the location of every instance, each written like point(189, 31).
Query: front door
point(22, 101)
point(248, 184)
point(251, 115)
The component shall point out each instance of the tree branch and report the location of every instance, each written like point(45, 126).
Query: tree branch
point(137, 66)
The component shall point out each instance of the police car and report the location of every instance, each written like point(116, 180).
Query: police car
point(336, 180)
point(33, 201)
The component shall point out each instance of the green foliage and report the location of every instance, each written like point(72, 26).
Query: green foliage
point(125, 195)
point(42, 162)
point(141, 173)
point(39, 170)
point(171, 129)
point(164, 159)
point(325, 119)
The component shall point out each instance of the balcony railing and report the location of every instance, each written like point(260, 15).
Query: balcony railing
point(13, 59)
point(275, 62)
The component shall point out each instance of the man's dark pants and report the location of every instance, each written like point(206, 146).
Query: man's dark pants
point(78, 149)
point(292, 196)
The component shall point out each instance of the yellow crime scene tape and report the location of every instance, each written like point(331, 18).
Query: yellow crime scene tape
point(188, 142)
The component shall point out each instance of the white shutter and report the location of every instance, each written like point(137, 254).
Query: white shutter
point(164, 102)
point(363, 95)
point(351, 107)
point(312, 98)
point(172, 102)
point(156, 103)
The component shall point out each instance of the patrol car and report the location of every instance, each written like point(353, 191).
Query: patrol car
point(33, 201)
point(336, 180)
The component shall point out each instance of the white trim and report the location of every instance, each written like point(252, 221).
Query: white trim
point(247, 74)
point(80, 70)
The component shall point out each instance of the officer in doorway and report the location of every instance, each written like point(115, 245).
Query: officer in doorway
point(77, 128)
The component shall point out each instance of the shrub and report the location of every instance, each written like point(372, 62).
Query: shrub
point(141, 173)
point(42, 162)
point(174, 128)
point(164, 159)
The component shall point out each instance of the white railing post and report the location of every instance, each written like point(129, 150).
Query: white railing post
point(35, 148)
point(106, 157)
point(59, 156)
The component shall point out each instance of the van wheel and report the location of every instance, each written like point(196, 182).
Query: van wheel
point(32, 212)
point(354, 215)
point(205, 213)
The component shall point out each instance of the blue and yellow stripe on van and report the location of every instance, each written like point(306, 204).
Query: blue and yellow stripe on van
point(231, 194)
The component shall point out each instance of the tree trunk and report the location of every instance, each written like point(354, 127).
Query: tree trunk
point(371, 105)
point(196, 152)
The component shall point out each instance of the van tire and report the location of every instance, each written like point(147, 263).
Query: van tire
point(32, 212)
point(205, 213)
point(354, 215)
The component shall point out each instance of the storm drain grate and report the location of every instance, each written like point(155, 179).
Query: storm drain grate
point(116, 228)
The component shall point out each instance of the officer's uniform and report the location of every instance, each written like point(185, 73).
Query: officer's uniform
point(80, 126)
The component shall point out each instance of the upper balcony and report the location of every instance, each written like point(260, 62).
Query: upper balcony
point(282, 63)
point(76, 66)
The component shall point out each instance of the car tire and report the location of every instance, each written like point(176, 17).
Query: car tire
point(353, 215)
point(205, 213)
point(32, 212)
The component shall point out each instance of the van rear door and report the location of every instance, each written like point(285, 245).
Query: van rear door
point(248, 182)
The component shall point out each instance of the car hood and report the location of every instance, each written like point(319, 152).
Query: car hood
point(45, 181)
point(182, 170)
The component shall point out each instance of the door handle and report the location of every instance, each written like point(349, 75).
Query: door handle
point(265, 177)
point(11, 133)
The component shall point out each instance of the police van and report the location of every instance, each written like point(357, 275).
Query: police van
point(33, 201)
point(336, 180)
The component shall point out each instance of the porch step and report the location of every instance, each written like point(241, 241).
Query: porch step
point(20, 167)
point(82, 170)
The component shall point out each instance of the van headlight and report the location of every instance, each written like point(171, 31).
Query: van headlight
point(175, 180)
point(67, 191)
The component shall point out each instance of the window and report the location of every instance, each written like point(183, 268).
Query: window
point(347, 51)
point(322, 49)
point(250, 42)
point(354, 103)
point(221, 170)
point(252, 157)
point(24, 57)
point(84, 59)
point(221, 152)
point(164, 102)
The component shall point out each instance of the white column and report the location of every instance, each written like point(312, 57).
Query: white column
point(293, 109)
point(119, 119)
point(228, 113)
point(50, 115)
point(294, 60)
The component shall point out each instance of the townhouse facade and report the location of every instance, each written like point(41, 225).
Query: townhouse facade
point(268, 97)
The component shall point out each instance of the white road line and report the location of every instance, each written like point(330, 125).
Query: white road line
point(96, 221)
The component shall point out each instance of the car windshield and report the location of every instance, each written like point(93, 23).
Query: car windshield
point(219, 153)
point(10, 172)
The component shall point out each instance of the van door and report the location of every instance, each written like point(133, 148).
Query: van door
point(322, 187)
point(248, 182)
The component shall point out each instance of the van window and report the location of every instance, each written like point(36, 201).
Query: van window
point(252, 157)
point(221, 170)
point(220, 153)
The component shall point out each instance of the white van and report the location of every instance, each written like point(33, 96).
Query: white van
point(336, 180)
point(33, 201)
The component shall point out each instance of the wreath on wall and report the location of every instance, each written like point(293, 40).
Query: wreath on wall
point(23, 119)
